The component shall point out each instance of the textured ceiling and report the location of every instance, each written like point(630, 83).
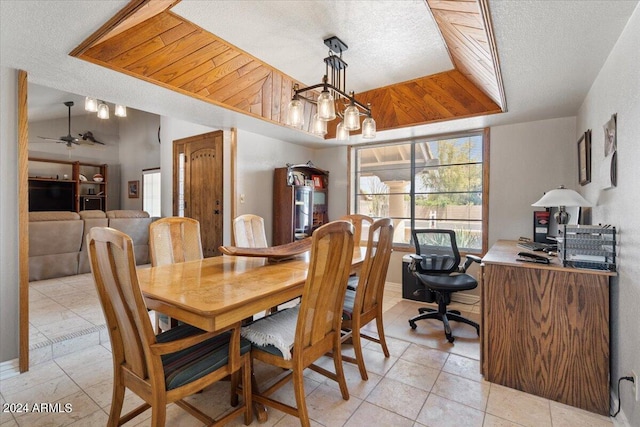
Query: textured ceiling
point(550, 52)
point(389, 41)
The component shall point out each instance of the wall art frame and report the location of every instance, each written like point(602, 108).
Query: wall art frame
point(584, 158)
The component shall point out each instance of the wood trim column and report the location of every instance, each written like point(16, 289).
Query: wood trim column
point(23, 219)
point(233, 187)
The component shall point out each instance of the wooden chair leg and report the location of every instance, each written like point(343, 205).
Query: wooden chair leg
point(298, 386)
point(117, 400)
point(357, 348)
point(383, 341)
point(342, 382)
point(246, 391)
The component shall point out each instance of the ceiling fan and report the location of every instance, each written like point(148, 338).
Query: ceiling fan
point(86, 138)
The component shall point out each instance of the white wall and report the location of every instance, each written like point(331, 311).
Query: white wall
point(10, 277)
point(526, 160)
point(334, 160)
point(257, 157)
point(139, 149)
point(617, 90)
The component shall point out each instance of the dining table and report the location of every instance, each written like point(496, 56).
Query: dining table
point(219, 293)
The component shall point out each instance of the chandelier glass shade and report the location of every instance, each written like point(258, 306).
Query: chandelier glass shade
point(326, 106)
point(333, 95)
point(90, 104)
point(341, 133)
point(368, 128)
point(351, 118)
point(120, 110)
point(103, 110)
point(319, 126)
point(295, 113)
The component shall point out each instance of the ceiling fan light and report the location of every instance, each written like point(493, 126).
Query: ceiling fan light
point(90, 104)
point(342, 134)
point(351, 118)
point(326, 106)
point(369, 128)
point(103, 111)
point(120, 110)
point(295, 113)
point(319, 126)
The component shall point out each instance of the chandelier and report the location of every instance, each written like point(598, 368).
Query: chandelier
point(333, 101)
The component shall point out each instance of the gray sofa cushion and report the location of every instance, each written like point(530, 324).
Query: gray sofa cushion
point(92, 218)
point(55, 239)
point(136, 225)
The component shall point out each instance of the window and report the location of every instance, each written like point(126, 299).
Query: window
point(427, 183)
point(151, 192)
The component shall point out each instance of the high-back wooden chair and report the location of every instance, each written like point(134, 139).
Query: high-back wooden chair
point(164, 368)
point(248, 231)
point(174, 239)
point(317, 326)
point(364, 304)
point(171, 240)
point(359, 221)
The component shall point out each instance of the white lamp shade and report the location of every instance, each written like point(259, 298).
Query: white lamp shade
point(369, 128)
point(342, 134)
point(103, 111)
point(326, 106)
point(120, 111)
point(351, 118)
point(562, 197)
point(319, 127)
point(295, 113)
point(90, 104)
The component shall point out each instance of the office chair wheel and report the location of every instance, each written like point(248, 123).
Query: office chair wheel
point(412, 324)
point(450, 338)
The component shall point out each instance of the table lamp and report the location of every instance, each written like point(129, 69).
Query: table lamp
point(562, 197)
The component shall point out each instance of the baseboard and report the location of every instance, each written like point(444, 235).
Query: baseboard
point(465, 298)
point(9, 369)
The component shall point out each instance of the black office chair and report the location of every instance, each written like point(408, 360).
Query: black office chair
point(436, 265)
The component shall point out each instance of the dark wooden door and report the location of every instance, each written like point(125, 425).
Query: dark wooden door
point(197, 188)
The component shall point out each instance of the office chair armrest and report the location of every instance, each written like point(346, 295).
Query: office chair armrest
point(415, 262)
point(470, 259)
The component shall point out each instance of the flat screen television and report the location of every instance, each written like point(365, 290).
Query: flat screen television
point(51, 196)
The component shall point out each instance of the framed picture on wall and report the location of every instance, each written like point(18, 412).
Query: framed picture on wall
point(133, 187)
point(584, 158)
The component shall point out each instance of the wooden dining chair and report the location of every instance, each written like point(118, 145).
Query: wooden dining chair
point(317, 325)
point(364, 304)
point(174, 239)
point(248, 231)
point(168, 367)
point(171, 240)
point(358, 221)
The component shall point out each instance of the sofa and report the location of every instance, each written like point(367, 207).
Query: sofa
point(57, 244)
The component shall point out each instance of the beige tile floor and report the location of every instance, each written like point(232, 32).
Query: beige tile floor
point(426, 381)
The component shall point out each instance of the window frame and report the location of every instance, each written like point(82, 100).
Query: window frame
point(146, 173)
point(408, 247)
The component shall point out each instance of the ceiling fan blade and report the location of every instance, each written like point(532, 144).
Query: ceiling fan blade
point(52, 139)
point(88, 136)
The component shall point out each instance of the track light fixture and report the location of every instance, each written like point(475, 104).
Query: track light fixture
point(333, 92)
point(94, 105)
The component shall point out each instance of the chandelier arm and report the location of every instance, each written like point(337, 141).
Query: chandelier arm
point(357, 103)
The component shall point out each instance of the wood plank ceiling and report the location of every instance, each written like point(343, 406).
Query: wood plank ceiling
point(146, 40)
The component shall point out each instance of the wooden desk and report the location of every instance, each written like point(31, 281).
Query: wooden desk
point(545, 328)
point(218, 292)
